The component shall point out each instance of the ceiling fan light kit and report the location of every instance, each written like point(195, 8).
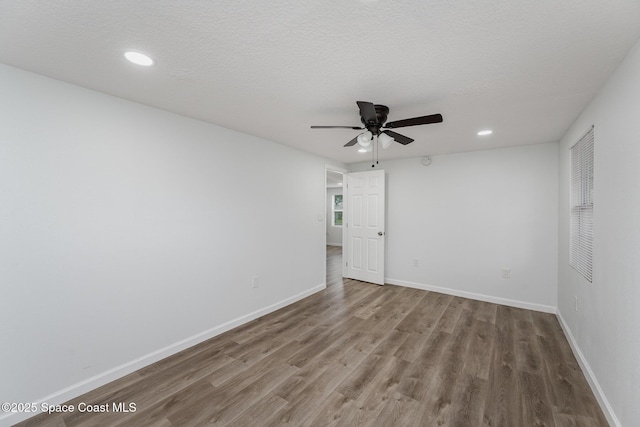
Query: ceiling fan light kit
point(385, 140)
point(364, 139)
point(374, 119)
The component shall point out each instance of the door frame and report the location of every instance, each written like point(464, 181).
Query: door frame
point(344, 172)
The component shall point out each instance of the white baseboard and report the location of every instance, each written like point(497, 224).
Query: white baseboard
point(591, 378)
point(78, 389)
point(334, 244)
point(471, 295)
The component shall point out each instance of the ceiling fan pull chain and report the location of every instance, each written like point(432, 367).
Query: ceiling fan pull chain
point(373, 149)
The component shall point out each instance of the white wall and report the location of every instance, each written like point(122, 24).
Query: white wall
point(604, 330)
point(467, 216)
point(334, 234)
point(128, 233)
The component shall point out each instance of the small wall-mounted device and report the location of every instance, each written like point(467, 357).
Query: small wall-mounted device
point(426, 161)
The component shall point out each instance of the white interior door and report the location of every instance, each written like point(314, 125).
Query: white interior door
point(365, 226)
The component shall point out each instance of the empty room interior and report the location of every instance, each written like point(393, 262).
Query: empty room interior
point(319, 213)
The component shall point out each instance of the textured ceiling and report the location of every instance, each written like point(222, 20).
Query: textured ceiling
point(273, 68)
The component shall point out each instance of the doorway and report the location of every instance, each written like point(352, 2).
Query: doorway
point(334, 212)
point(355, 224)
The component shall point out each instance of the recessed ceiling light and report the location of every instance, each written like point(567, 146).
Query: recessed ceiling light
point(485, 132)
point(138, 58)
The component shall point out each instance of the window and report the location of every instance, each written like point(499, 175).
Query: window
point(337, 210)
point(581, 249)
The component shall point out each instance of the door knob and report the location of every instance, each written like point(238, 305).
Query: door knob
point(380, 233)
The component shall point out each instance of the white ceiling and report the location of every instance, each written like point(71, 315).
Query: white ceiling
point(273, 68)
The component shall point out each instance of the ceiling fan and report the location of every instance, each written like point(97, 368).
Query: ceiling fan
point(374, 118)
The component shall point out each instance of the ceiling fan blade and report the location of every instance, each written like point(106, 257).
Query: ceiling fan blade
point(353, 142)
point(336, 127)
point(404, 140)
point(424, 120)
point(367, 111)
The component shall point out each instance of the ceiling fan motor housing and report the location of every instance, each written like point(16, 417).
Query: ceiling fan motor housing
point(382, 111)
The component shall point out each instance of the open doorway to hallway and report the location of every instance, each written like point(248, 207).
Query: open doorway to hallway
point(334, 265)
point(334, 179)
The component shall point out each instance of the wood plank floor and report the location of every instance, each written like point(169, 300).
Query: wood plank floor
point(361, 354)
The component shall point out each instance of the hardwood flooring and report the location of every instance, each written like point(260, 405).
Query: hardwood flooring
point(361, 354)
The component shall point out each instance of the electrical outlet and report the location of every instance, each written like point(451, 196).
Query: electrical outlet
point(576, 302)
point(415, 263)
point(506, 273)
point(255, 281)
